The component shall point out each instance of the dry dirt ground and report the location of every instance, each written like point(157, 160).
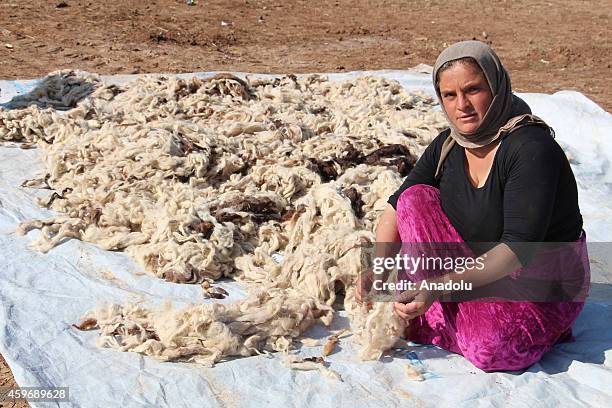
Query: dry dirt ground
point(546, 45)
point(7, 381)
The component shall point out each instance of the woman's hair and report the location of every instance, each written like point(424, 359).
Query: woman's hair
point(466, 61)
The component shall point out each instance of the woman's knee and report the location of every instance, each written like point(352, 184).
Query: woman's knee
point(504, 355)
point(420, 217)
point(509, 363)
point(419, 196)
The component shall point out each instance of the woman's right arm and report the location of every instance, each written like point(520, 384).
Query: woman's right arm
point(388, 241)
point(386, 231)
point(387, 245)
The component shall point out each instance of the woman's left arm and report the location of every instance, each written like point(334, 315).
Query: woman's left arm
point(499, 262)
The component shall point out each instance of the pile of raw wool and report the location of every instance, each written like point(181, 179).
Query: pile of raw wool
point(199, 179)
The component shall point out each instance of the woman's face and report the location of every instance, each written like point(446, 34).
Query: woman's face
point(465, 95)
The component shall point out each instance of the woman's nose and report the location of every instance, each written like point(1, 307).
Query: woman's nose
point(462, 102)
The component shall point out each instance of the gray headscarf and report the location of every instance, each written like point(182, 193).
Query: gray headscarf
point(507, 111)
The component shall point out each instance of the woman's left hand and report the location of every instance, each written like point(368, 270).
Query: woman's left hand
point(413, 303)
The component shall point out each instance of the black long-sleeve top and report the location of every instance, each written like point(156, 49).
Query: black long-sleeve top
point(530, 194)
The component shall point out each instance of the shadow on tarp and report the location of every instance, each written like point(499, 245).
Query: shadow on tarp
point(60, 91)
point(589, 347)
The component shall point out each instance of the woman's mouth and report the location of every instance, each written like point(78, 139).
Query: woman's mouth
point(469, 117)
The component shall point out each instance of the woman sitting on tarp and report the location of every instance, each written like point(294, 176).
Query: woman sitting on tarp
point(497, 175)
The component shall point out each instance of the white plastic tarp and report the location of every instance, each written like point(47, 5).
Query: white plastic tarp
point(41, 295)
